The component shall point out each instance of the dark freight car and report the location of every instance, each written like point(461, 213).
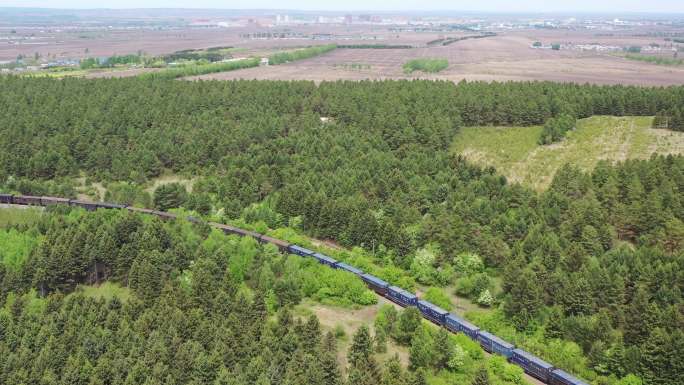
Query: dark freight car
point(459, 325)
point(247, 233)
point(559, 377)
point(401, 296)
point(140, 210)
point(163, 215)
point(375, 283)
point(108, 205)
point(227, 229)
point(349, 268)
point(6, 198)
point(532, 365)
point(494, 344)
point(90, 206)
point(432, 312)
point(27, 200)
point(282, 245)
point(51, 201)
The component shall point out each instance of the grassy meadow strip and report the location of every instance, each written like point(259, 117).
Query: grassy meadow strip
point(201, 69)
point(300, 54)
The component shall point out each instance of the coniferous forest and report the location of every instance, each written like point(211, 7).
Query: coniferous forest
point(595, 262)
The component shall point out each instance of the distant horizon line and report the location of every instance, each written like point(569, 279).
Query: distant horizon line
point(579, 12)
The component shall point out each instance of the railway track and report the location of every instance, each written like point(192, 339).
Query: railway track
point(533, 366)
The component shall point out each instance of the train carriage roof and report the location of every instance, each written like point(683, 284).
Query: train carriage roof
point(531, 357)
point(496, 339)
point(325, 258)
point(432, 307)
point(467, 325)
point(301, 249)
point(403, 292)
point(375, 280)
point(349, 267)
point(567, 377)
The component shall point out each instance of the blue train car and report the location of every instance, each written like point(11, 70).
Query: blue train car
point(494, 344)
point(459, 325)
point(324, 259)
point(533, 365)
point(298, 250)
point(375, 283)
point(401, 296)
point(559, 377)
point(6, 198)
point(432, 312)
point(349, 268)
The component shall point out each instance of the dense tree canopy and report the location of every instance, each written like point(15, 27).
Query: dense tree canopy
point(198, 313)
point(596, 259)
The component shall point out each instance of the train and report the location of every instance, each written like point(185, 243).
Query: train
point(531, 364)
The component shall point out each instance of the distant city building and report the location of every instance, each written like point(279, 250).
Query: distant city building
point(282, 19)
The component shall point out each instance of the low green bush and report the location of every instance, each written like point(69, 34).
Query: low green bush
point(425, 65)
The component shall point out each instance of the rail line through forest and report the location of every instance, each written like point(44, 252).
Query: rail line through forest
point(531, 364)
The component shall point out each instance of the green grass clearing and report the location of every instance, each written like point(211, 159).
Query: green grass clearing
point(515, 153)
point(170, 178)
point(19, 216)
point(107, 290)
point(15, 247)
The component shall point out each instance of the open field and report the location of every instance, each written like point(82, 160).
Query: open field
point(507, 56)
point(501, 58)
point(83, 42)
point(515, 153)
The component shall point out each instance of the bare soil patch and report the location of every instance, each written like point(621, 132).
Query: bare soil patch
point(350, 320)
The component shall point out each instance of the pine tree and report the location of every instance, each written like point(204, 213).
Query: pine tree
point(639, 318)
point(361, 349)
point(443, 349)
point(311, 337)
point(329, 366)
point(419, 378)
point(169, 196)
point(577, 297)
point(481, 377)
point(393, 373)
point(657, 359)
point(380, 340)
point(421, 350)
point(554, 324)
point(524, 299)
point(409, 321)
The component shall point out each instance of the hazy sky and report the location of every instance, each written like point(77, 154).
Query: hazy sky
point(615, 6)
